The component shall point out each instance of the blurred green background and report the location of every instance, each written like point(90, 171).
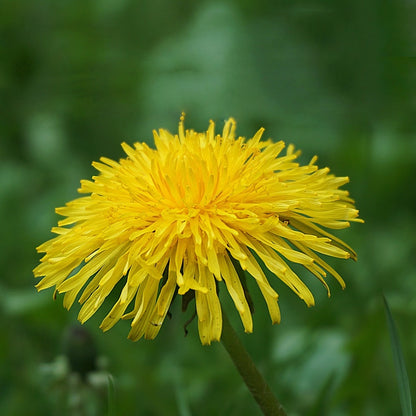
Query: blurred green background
point(336, 78)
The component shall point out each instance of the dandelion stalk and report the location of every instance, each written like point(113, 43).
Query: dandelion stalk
point(255, 382)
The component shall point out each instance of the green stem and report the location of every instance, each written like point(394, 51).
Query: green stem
point(255, 382)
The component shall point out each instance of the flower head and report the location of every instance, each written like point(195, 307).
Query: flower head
point(183, 217)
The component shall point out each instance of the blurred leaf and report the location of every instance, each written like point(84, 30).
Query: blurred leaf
point(111, 391)
point(401, 373)
point(19, 302)
point(321, 405)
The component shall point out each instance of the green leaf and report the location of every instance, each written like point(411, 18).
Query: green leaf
point(111, 396)
point(402, 378)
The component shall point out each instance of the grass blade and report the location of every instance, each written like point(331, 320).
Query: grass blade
point(111, 403)
point(402, 378)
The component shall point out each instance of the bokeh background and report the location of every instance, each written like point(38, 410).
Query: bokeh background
point(336, 78)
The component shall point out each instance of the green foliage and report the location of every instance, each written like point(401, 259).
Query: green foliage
point(112, 407)
point(401, 372)
point(336, 78)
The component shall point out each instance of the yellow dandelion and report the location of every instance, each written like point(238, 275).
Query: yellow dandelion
point(184, 216)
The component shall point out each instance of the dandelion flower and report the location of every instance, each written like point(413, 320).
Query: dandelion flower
point(184, 217)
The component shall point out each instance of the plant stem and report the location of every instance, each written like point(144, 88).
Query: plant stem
point(255, 382)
